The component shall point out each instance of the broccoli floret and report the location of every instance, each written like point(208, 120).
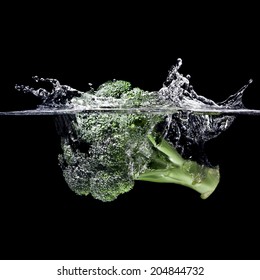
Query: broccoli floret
point(113, 89)
point(104, 153)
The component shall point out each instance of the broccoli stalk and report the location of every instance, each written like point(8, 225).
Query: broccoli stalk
point(168, 166)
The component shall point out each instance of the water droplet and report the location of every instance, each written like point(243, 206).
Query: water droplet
point(36, 78)
point(17, 87)
point(179, 63)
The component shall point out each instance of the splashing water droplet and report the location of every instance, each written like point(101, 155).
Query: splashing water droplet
point(179, 63)
point(36, 79)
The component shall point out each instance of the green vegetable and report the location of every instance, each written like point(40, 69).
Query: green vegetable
point(104, 153)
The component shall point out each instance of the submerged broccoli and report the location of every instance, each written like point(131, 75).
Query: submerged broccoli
point(117, 134)
point(104, 153)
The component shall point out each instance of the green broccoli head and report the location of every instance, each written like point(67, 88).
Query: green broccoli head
point(113, 89)
point(86, 174)
point(116, 147)
point(115, 150)
point(104, 153)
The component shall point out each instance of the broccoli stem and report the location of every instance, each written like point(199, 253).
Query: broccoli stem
point(178, 170)
point(168, 150)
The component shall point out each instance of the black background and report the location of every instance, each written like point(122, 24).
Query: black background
point(41, 218)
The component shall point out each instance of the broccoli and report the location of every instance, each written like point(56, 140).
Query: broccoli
point(118, 134)
point(104, 153)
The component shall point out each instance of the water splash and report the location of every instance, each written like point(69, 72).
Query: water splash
point(98, 148)
point(59, 96)
point(189, 131)
point(190, 119)
point(178, 91)
point(176, 95)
